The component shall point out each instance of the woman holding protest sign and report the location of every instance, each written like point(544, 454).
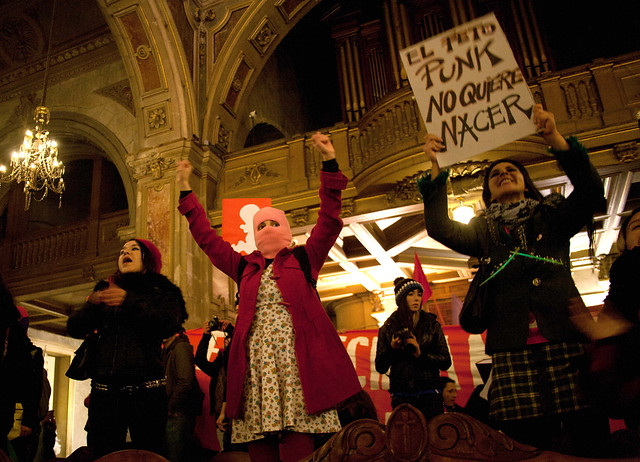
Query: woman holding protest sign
point(522, 238)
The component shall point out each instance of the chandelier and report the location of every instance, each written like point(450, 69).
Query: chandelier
point(36, 164)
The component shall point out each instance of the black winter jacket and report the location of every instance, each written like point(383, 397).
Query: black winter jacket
point(217, 370)
point(408, 373)
point(128, 349)
point(623, 290)
point(526, 284)
point(21, 368)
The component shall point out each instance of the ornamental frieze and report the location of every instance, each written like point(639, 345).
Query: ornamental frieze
point(264, 36)
point(236, 86)
point(300, 217)
point(626, 152)
point(135, 30)
point(289, 8)
point(157, 119)
point(121, 93)
point(151, 163)
point(348, 208)
point(253, 175)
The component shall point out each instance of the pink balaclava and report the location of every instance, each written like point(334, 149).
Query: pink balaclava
point(271, 239)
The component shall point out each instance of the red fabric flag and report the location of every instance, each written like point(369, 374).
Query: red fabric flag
point(419, 276)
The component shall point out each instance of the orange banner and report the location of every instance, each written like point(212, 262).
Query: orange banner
point(237, 222)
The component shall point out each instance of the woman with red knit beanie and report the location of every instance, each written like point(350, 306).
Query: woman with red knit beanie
point(131, 313)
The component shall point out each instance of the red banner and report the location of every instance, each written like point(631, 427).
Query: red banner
point(466, 350)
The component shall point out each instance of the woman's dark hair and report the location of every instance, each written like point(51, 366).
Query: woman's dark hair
point(406, 318)
point(444, 381)
point(530, 190)
point(622, 235)
point(148, 262)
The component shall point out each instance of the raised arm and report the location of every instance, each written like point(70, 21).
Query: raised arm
point(217, 249)
point(332, 182)
point(588, 192)
point(462, 238)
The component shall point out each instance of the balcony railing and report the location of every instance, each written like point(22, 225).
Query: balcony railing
point(71, 251)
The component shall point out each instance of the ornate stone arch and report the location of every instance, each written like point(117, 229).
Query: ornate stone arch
point(262, 26)
point(158, 68)
point(73, 124)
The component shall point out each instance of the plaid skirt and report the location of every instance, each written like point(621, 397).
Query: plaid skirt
point(540, 379)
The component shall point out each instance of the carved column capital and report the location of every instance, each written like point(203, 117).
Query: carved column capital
point(150, 163)
point(626, 152)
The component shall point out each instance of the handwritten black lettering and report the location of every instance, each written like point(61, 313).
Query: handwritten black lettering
point(512, 101)
point(446, 100)
point(493, 59)
point(456, 128)
point(445, 70)
point(462, 36)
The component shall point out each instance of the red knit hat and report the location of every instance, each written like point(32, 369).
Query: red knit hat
point(156, 263)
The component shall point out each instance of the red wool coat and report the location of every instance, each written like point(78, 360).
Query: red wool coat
point(326, 371)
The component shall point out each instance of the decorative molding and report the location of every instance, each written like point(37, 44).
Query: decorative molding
point(408, 438)
point(264, 36)
point(254, 173)
point(121, 93)
point(626, 152)
point(631, 87)
point(22, 38)
point(157, 118)
point(581, 96)
point(310, 161)
point(289, 8)
point(383, 131)
point(61, 57)
point(468, 169)
point(23, 113)
point(224, 136)
point(142, 52)
point(150, 163)
point(300, 217)
point(603, 265)
point(466, 177)
point(231, 17)
point(207, 15)
point(405, 190)
point(236, 85)
point(348, 208)
point(136, 31)
point(202, 48)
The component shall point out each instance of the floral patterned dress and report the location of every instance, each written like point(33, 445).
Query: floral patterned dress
point(272, 395)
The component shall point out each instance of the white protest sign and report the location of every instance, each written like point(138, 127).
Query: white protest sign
point(469, 89)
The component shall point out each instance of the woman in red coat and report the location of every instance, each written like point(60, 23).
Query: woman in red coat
point(287, 366)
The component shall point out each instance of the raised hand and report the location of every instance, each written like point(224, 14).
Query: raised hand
point(545, 121)
point(432, 145)
point(323, 144)
point(183, 171)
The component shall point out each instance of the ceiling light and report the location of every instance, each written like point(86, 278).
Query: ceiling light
point(463, 213)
